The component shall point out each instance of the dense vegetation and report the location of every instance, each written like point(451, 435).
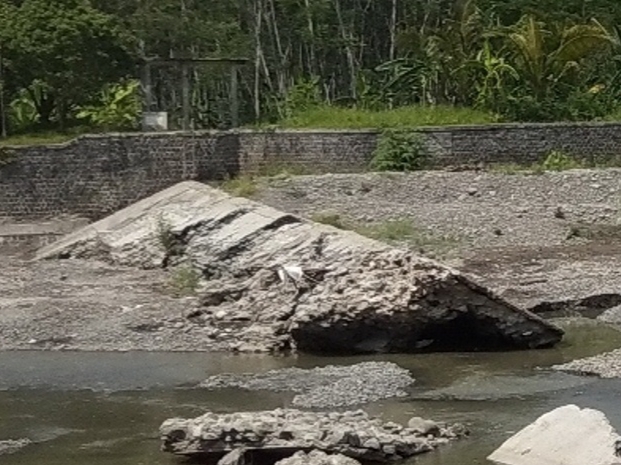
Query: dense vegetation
point(68, 63)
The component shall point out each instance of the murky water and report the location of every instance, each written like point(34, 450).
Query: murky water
point(97, 408)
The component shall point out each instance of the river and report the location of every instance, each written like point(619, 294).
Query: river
point(105, 408)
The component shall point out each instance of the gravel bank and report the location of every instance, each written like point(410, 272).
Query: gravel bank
point(606, 365)
point(326, 387)
point(478, 209)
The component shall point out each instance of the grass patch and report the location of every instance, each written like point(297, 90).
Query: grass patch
point(248, 185)
point(184, 281)
point(332, 117)
point(394, 232)
point(405, 232)
point(241, 186)
point(330, 219)
point(557, 161)
point(45, 137)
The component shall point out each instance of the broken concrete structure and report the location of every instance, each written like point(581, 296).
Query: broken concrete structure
point(282, 432)
point(566, 436)
point(276, 282)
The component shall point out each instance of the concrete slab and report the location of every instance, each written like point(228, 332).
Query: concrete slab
point(568, 435)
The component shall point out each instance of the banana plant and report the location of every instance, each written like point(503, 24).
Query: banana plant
point(118, 107)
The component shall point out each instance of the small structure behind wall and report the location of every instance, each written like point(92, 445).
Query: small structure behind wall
point(157, 120)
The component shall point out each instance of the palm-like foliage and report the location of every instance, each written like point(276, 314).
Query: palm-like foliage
point(544, 57)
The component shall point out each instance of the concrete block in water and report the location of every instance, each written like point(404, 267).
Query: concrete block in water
point(565, 436)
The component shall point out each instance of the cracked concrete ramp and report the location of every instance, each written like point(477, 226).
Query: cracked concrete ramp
point(354, 295)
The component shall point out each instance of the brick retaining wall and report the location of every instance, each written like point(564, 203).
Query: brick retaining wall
point(93, 176)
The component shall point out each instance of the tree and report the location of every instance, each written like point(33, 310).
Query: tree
point(70, 47)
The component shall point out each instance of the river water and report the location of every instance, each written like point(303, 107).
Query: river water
point(105, 408)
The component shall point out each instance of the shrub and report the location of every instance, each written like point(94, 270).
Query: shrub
point(184, 281)
point(399, 150)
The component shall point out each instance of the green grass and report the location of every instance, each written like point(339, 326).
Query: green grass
point(330, 219)
point(403, 231)
point(242, 186)
point(44, 138)
point(395, 232)
point(269, 173)
point(327, 117)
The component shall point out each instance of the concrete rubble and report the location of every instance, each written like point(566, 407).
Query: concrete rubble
point(286, 431)
point(568, 435)
point(273, 282)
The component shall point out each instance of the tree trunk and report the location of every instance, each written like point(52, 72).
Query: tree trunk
point(3, 134)
point(311, 30)
point(258, 53)
point(393, 31)
point(348, 49)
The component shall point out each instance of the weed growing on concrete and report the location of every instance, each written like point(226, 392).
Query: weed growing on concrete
point(184, 281)
point(399, 150)
point(165, 236)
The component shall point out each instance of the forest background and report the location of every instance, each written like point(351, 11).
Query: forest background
point(70, 66)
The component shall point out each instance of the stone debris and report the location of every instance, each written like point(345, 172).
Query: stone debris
point(565, 436)
point(325, 387)
point(317, 457)
point(353, 434)
point(353, 295)
point(11, 446)
point(607, 365)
